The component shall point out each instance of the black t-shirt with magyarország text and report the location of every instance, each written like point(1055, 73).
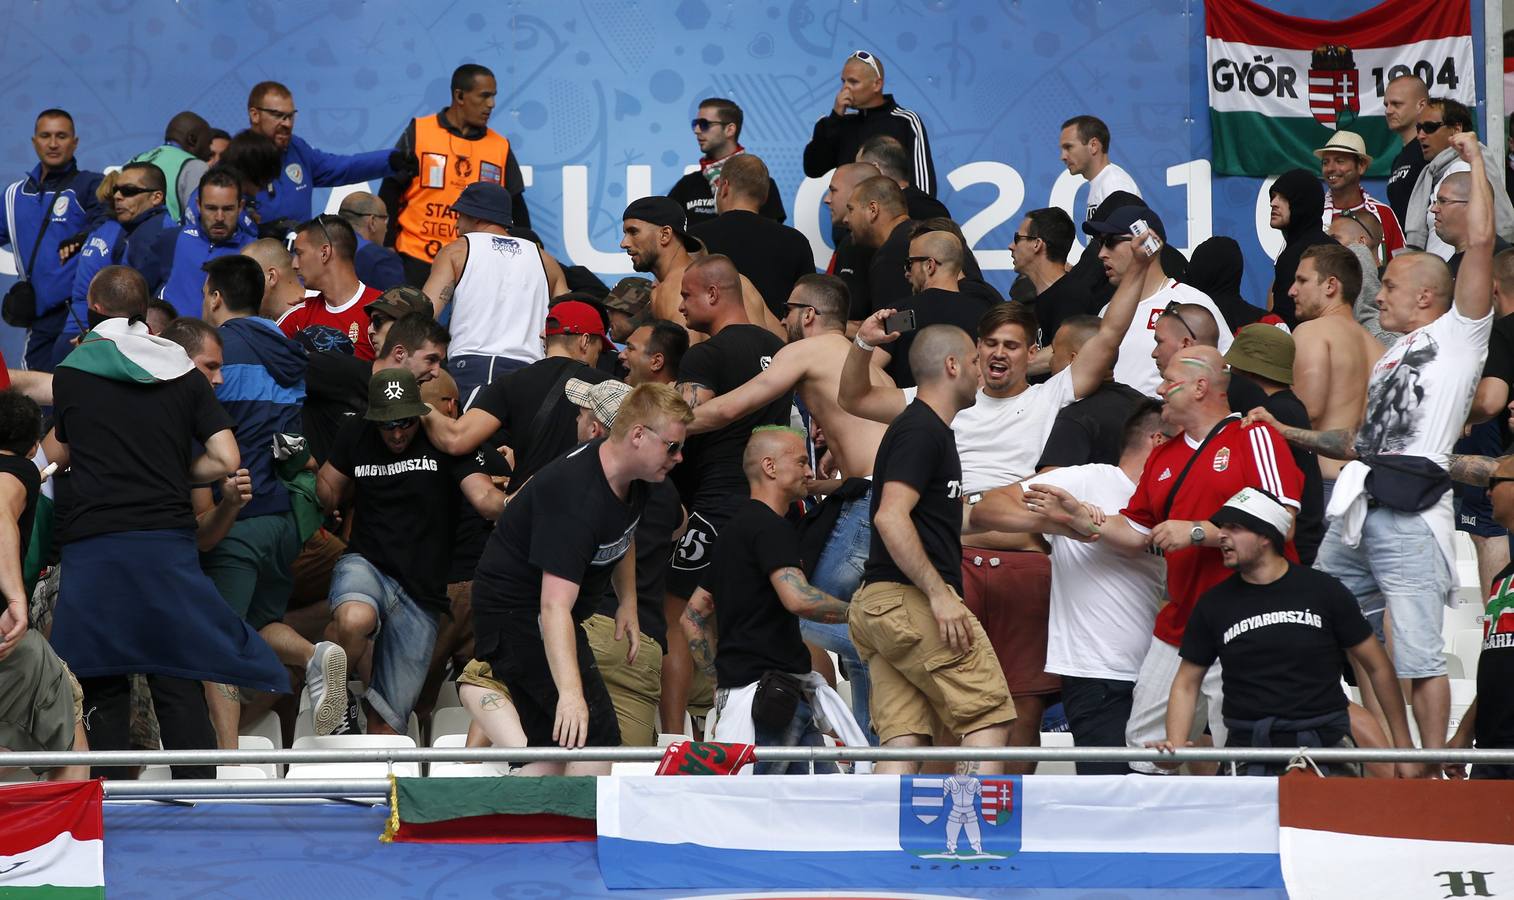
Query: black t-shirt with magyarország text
point(405, 507)
point(1279, 644)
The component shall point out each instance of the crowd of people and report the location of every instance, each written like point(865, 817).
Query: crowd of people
point(257, 453)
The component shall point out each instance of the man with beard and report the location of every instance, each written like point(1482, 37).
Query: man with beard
point(216, 233)
point(656, 237)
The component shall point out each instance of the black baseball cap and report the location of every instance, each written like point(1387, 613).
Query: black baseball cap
point(1120, 220)
point(662, 211)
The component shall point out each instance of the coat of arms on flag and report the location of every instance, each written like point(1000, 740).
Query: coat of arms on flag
point(943, 817)
point(1334, 86)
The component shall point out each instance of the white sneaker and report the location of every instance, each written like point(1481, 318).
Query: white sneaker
point(326, 679)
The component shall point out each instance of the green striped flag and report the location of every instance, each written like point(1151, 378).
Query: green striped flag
point(1279, 85)
point(501, 810)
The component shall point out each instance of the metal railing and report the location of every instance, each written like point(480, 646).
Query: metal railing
point(377, 788)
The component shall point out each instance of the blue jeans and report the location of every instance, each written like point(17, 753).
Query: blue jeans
point(838, 573)
point(1399, 564)
point(402, 641)
point(801, 732)
point(473, 373)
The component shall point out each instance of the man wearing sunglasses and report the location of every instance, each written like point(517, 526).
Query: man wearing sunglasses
point(717, 130)
point(136, 234)
point(549, 563)
point(271, 111)
point(862, 110)
point(403, 496)
point(1442, 119)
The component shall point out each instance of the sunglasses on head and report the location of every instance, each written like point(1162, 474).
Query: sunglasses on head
point(130, 190)
point(398, 424)
point(1171, 309)
point(869, 59)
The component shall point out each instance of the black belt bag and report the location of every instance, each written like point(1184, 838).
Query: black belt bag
point(1406, 483)
point(777, 699)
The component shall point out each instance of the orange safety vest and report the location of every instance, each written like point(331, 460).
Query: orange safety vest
point(448, 164)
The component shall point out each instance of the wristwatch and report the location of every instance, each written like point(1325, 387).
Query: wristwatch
point(1198, 534)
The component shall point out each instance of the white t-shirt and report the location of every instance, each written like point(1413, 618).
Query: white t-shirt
point(1000, 439)
point(1418, 399)
point(1103, 602)
point(1135, 366)
point(1112, 179)
point(1433, 243)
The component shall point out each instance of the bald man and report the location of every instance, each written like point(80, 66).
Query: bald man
point(850, 260)
point(711, 478)
point(377, 265)
point(182, 159)
point(1185, 481)
point(1418, 399)
point(934, 273)
point(878, 217)
point(282, 290)
point(1403, 101)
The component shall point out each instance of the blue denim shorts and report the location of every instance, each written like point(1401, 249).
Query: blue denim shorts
point(402, 641)
point(1397, 565)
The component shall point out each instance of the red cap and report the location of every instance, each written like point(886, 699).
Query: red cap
point(574, 317)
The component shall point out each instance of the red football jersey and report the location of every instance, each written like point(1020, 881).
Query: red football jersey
point(1255, 457)
point(350, 319)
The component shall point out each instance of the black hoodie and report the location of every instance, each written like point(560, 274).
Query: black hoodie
point(1216, 269)
point(1306, 211)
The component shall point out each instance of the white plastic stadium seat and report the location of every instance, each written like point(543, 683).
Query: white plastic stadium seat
point(267, 725)
point(462, 769)
point(254, 742)
point(633, 768)
point(241, 773)
point(447, 698)
point(1061, 767)
point(1467, 644)
point(1454, 667)
point(452, 720)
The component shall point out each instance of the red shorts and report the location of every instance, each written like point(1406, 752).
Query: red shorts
point(1012, 599)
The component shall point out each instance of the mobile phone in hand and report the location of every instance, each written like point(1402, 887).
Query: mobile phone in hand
point(900, 322)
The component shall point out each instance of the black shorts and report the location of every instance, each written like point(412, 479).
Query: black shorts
point(512, 646)
point(696, 548)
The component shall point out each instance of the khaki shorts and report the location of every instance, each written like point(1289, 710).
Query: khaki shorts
point(635, 688)
point(481, 674)
point(919, 679)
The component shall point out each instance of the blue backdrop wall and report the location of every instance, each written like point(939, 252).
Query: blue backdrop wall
point(596, 95)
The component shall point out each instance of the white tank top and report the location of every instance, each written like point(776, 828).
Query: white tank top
point(500, 304)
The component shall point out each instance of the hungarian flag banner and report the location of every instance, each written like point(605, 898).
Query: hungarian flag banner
point(52, 841)
point(1279, 85)
point(491, 810)
point(1396, 840)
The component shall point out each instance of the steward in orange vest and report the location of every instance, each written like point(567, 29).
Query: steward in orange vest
point(448, 152)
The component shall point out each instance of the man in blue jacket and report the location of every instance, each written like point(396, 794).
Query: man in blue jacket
point(217, 233)
point(47, 215)
point(137, 235)
point(377, 266)
point(270, 111)
point(263, 390)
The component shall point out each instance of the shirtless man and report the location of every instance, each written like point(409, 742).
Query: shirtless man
point(1333, 353)
point(655, 238)
point(811, 365)
point(1007, 577)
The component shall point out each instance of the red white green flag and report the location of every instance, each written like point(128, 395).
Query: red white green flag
point(1279, 85)
point(52, 843)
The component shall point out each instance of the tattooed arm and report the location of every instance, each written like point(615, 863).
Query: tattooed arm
point(446, 271)
point(1339, 443)
point(694, 393)
point(698, 625)
point(804, 599)
point(1474, 470)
